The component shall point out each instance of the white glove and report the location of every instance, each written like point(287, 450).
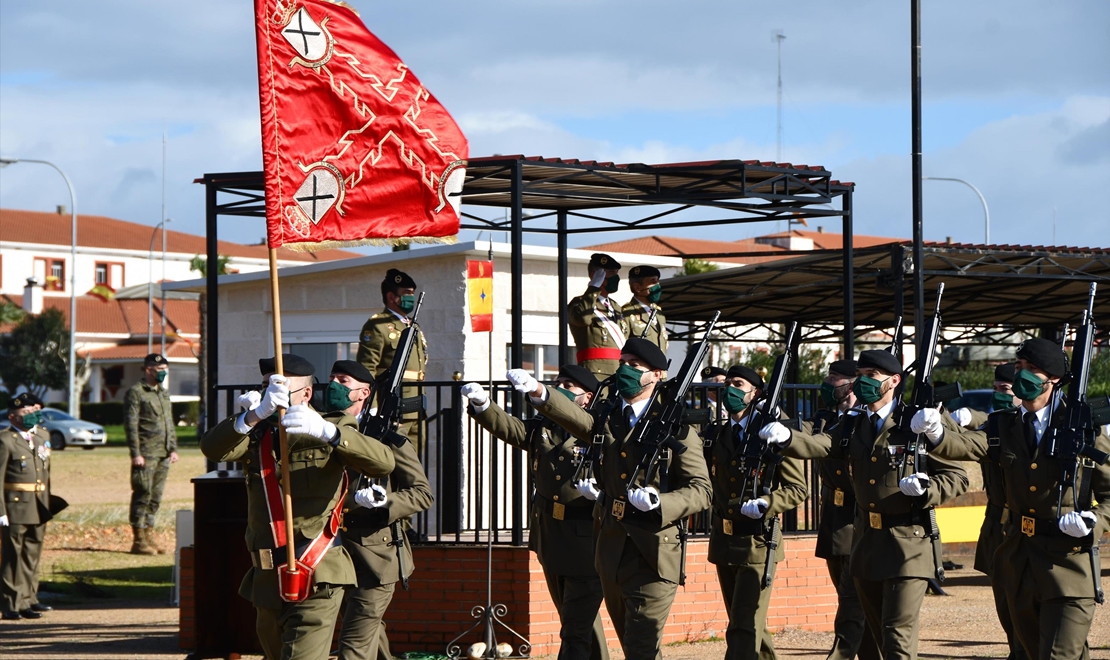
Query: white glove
point(249, 400)
point(962, 417)
point(588, 488)
point(644, 499)
point(598, 278)
point(914, 485)
point(522, 381)
point(775, 433)
point(754, 508)
point(373, 497)
point(928, 421)
point(476, 393)
point(302, 420)
point(1075, 523)
point(276, 396)
point(3, 521)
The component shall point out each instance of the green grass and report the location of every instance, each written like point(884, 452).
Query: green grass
point(93, 576)
point(117, 437)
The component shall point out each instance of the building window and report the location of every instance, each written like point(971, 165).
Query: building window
point(110, 274)
point(536, 354)
point(51, 272)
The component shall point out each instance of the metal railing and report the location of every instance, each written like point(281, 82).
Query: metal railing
point(482, 486)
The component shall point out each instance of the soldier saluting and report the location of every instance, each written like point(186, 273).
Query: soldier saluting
point(24, 507)
point(562, 518)
point(596, 323)
point(892, 555)
point(295, 624)
point(646, 290)
point(740, 540)
point(640, 534)
point(1045, 560)
point(377, 342)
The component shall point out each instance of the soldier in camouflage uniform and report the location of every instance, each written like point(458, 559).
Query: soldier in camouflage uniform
point(561, 533)
point(152, 440)
point(377, 342)
point(24, 507)
point(644, 282)
point(596, 323)
point(321, 448)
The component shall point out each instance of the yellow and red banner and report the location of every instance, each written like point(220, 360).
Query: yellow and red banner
point(355, 149)
point(479, 289)
point(102, 291)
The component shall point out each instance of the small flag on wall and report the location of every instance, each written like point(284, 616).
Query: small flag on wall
point(479, 284)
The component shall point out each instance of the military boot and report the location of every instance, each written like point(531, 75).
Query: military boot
point(141, 546)
point(149, 532)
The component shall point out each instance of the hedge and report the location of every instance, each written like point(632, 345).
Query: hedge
point(111, 412)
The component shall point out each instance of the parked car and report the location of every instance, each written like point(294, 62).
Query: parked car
point(65, 430)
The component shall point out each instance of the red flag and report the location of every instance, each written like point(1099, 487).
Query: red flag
point(354, 148)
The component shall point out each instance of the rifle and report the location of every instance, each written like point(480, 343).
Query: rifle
point(924, 396)
point(661, 423)
point(757, 459)
point(1073, 437)
point(391, 408)
point(587, 457)
point(651, 319)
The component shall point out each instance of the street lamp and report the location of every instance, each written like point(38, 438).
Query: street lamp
point(150, 289)
point(74, 395)
point(986, 211)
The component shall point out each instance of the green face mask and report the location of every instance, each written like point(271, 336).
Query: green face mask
point(867, 389)
point(408, 303)
point(1002, 401)
point(612, 283)
point(567, 393)
point(735, 399)
point(337, 396)
point(31, 419)
point(1028, 385)
point(828, 395)
point(628, 381)
point(655, 293)
point(161, 375)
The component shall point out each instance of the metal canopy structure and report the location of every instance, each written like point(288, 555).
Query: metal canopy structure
point(580, 197)
point(982, 282)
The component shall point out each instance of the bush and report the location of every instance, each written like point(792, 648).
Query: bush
point(105, 413)
point(188, 411)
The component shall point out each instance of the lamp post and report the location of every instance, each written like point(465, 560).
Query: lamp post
point(74, 395)
point(162, 286)
point(150, 288)
point(986, 211)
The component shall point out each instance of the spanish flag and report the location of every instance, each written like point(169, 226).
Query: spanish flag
point(102, 291)
point(479, 284)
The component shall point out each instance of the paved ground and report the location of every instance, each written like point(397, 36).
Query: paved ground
point(960, 626)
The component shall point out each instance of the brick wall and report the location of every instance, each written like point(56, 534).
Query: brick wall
point(187, 627)
point(434, 611)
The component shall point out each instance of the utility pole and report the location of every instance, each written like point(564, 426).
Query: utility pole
point(777, 37)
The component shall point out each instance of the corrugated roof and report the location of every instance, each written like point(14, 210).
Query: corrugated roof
point(751, 249)
point(96, 231)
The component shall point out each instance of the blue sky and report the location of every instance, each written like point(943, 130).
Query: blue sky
point(1017, 99)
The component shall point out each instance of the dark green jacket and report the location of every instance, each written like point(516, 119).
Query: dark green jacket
point(27, 468)
point(148, 419)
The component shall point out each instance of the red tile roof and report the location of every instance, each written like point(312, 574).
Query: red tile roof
point(19, 226)
point(672, 246)
point(827, 241)
point(122, 317)
point(182, 350)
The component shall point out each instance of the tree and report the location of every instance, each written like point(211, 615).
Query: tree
point(33, 355)
point(812, 362)
point(696, 266)
point(199, 264)
point(11, 313)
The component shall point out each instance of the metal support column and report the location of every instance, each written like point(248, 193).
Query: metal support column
point(564, 289)
point(915, 88)
point(849, 279)
point(213, 335)
point(517, 262)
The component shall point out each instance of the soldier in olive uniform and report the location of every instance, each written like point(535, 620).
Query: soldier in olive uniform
point(838, 512)
point(24, 507)
point(561, 533)
point(596, 323)
point(738, 540)
point(378, 342)
point(646, 290)
point(892, 555)
point(152, 440)
point(641, 526)
point(371, 532)
point(321, 448)
point(990, 534)
point(1043, 562)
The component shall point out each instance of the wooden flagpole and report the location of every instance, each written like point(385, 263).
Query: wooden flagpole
point(286, 480)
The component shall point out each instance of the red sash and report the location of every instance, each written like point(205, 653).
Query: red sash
point(296, 585)
point(598, 354)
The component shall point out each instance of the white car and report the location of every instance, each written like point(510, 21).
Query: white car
point(65, 431)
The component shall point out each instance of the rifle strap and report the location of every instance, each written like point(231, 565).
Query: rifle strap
point(847, 428)
point(1084, 474)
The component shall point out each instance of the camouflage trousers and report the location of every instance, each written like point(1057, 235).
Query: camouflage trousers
point(147, 484)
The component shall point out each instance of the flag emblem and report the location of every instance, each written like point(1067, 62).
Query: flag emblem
point(479, 283)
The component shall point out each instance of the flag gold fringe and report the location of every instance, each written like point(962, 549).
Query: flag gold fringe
point(379, 242)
